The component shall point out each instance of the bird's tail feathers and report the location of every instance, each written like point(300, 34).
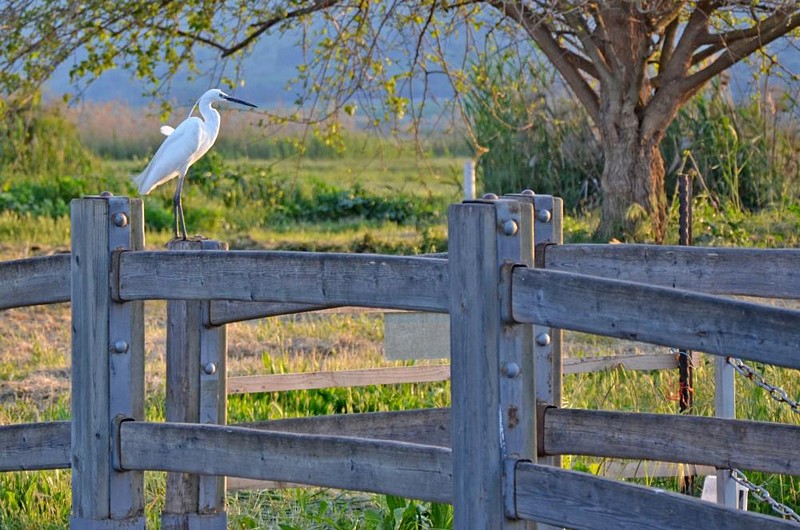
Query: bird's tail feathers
point(139, 180)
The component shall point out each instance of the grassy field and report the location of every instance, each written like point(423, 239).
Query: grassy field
point(388, 204)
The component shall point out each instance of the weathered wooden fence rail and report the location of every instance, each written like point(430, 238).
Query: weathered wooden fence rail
point(502, 286)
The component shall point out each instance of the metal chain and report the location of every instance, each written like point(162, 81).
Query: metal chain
point(775, 392)
point(779, 395)
point(763, 495)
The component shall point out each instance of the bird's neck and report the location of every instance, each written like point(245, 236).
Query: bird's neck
point(211, 117)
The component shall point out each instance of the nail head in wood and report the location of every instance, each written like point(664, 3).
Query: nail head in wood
point(543, 339)
point(544, 216)
point(209, 368)
point(510, 227)
point(510, 370)
point(120, 219)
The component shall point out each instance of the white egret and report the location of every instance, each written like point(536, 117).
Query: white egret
point(183, 147)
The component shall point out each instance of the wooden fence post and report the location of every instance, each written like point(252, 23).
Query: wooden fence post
point(107, 365)
point(493, 401)
point(548, 212)
point(196, 393)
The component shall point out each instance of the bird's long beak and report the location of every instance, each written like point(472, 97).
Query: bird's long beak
point(234, 100)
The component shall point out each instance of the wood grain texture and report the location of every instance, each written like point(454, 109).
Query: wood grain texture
point(584, 501)
point(193, 397)
point(107, 365)
point(645, 361)
point(657, 315)
point(769, 273)
point(91, 440)
point(422, 426)
point(34, 281)
point(293, 277)
point(378, 466)
point(35, 446)
point(340, 378)
point(476, 340)
point(227, 311)
point(674, 438)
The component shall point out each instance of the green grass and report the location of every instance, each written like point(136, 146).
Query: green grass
point(252, 205)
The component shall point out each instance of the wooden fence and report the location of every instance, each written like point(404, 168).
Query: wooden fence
point(502, 285)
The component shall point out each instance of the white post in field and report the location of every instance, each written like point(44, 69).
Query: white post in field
point(469, 180)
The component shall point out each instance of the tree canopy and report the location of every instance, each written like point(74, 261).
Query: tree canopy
point(632, 64)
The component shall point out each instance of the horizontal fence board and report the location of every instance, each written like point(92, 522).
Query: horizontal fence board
point(378, 466)
point(657, 315)
point(394, 282)
point(35, 446)
point(338, 378)
point(644, 361)
point(674, 438)
point(34, 281)
point(584, 501)
point(769, 273)
point(227, 311)
point(645, 469)
point(422, 426)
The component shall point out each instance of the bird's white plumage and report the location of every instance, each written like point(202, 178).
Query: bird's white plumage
point(183, 146)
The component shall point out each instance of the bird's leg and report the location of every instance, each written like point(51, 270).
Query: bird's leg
point(177, 208)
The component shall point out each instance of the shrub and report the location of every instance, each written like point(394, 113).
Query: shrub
point(39, 141)
point(536, 138)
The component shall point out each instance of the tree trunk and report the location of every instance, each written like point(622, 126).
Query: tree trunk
point(634, 198)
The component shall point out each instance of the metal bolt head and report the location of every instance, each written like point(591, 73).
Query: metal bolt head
point(510, 227)
point(119, 346)
point(120, 219)
point(510, 370)
point(209, 368)
point(528, 193)
point(544, 216)
point(489, 197)
point(543, 339)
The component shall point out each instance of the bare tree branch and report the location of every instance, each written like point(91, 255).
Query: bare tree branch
point(261, 27)
point(563, 59)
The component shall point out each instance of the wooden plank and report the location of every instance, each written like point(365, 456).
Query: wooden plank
point(126, 361)
point(769, 273)
point(103, 334)
point(298, 277)
point(35, 446)
point(477, 342)
point(657, 315)
point(378, 466)
point(227, 311)
point(340, 378)
point(584, 501)
point(645, 469)
point(673, 438)
point(34, 281)
point(193, 397)
point(423, 426)
point(213, 410)
point(90, 339)
point(645, 362)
